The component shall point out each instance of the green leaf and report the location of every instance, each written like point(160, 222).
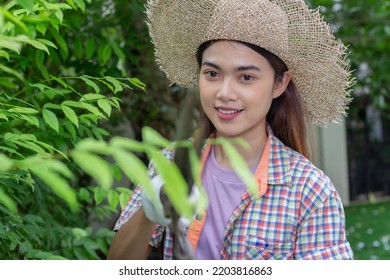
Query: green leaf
point(70, 114)
point(42, 28)
point(117, 50)
point(128, 144)
point(105, 106)
point(36, 44)
point(51, 119)
point(137, 82)
point(4, 54)
point(98, 194)
point(117, 85)
point(11, 137)
point(91, 83)
point(11, 150)
point(93, 146)
point(54, 181)
point(94, 110)
point(78, 48)
point(8, 202)
point(31, 146)
point(56, 258)
point(55, 6)
point(30, 119)
point(84, 195)
point(10, 43)
point(12, 72)
point(51, 148)
point(73, 104)
point(60, 15)
point(6, 83)
point(113, 199)
point(115, 102)
point(80, 253)
point(39, 59)
point(26, 4)
point(124, 199)
point(34, 219)
point(47, 43)
point(195, 166)
point(89, 48)
point(91, 97)
point(60, 81)
point(95, 166)
point(51, 106)
point(28, 137)
point(79, 232)
point(61, 42)
point(151, 136)
point(104, 53)
point(39, 86)
point(4, 117)
point(133, 167)
point(80, 4)
point(100, 133)
point(116, 172)
point(107, 84)
point(71, 129)
point(23, 110)
point(5, 163)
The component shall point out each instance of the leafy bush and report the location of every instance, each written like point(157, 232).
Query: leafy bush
point(45, 110)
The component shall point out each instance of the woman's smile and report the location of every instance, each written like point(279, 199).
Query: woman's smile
point(227, 113)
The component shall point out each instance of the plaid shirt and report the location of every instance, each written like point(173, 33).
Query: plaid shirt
point(298, 216)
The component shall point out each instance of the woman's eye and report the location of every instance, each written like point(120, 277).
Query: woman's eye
point(247, 77)
point(212, 74)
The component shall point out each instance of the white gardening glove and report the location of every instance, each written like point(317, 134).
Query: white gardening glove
point(154, 209)
point(152, 205)
point(194, 200)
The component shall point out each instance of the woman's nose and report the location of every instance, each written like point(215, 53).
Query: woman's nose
point(227, 91)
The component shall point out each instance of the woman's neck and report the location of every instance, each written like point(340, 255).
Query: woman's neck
point(251, 155)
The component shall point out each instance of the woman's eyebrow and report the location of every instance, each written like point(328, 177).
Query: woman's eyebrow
point(207, 63)
point(238, 69)
point(246, 68)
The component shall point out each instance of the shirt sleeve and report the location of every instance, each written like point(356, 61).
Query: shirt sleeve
point(322, 234)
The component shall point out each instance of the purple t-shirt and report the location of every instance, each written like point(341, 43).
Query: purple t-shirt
point(224, 189)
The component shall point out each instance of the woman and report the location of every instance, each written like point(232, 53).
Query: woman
point(263, 69)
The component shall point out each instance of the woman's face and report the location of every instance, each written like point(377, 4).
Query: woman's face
point(237, 86)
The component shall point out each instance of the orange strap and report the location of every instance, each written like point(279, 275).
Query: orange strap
point(261, 173)
point(197, 224)
point(195, 229)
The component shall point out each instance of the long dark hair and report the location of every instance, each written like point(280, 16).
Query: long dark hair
point(286, 115)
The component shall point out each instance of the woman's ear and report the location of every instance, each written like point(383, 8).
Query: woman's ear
point(281, 85)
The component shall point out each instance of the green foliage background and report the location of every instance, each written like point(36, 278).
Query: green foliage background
point(73, 73)
point(64, 78)
point(364, 26)
point(55, 90)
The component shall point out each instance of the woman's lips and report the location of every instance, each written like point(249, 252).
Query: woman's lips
point(227, 113)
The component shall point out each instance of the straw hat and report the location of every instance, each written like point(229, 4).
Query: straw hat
point(287, 28)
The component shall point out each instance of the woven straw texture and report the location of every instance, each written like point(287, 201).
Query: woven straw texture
point(287, 28)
